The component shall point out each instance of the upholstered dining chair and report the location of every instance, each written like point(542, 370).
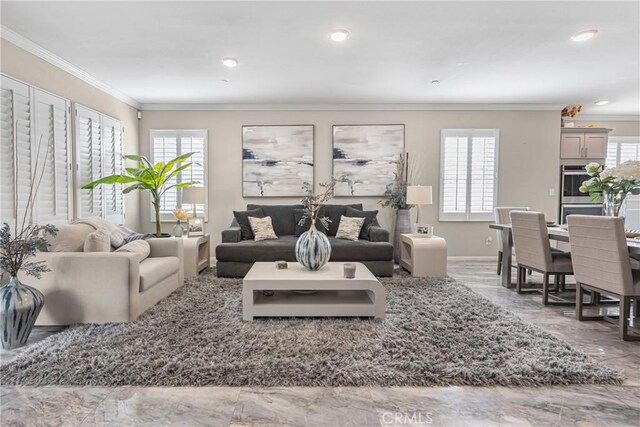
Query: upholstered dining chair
point(533, 251)
point(501, 215)
point(601, 263)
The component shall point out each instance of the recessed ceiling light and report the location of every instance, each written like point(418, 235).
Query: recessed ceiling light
point(339, 35)
point(435, 82)
point(601, 102)
point(584, 35)
point(230, 62)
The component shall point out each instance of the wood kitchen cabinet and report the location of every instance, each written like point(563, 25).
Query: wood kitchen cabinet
point(583, 143)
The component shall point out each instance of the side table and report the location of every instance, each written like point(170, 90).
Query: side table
point(423, 256)
point(196, 254)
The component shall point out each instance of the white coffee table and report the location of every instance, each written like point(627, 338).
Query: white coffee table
point(335, 296)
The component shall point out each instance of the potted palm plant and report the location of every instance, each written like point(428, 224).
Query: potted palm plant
point(154, 178)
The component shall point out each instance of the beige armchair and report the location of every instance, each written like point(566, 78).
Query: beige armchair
point(533, 250)
point(103, 287)
point(601, 263)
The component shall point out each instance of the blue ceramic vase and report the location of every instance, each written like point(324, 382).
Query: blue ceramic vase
point(313, 249)
point(20, 306)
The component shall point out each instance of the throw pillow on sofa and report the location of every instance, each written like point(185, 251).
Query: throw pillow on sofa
point(140, 248)
point(349, 228)
point(262, 228)
point(370, 218)
point(242, 218)
point(98, 241)
point(69, 238)
point(297, 216)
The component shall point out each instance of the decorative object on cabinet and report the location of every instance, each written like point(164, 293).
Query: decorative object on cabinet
point(195, 226)
point(570, 111)
point(276, 160)
point(583, 143)
point(395, 196)
point(365, 158)
point(181, 215)
point(156, 179)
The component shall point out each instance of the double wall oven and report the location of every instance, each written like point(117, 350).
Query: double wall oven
point(572, 201)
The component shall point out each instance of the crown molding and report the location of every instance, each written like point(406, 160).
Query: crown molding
point(42, 53)
point(350, 107)
point(614, 117)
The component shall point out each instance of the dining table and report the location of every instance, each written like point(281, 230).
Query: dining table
point(556, 232)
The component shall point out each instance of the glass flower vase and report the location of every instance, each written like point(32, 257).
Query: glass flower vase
point(614, 204)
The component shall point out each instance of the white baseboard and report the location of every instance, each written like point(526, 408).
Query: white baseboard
point(473, 258)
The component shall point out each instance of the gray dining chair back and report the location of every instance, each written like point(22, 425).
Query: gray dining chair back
point(531, 240)
point(600, 254)
point(502, 216)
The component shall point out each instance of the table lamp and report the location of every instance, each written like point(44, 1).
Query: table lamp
point(419, 195)
point(194, 196)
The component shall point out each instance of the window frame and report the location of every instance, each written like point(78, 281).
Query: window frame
point(468, 216)
point(178, 134)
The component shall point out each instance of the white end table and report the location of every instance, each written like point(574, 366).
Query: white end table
point(332, 295)
point(197, 254)
point(423, 256)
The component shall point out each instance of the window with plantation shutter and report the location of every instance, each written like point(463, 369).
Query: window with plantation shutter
point(34, 154)
point(619, 150)
point(468, 185)
point(167, 145)
point(98, 154)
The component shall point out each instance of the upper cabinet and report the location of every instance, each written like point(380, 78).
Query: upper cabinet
point(583, 143)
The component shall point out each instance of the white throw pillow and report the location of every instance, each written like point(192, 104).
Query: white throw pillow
point(262, 228)
point(349, 228)
point(139, 247)
point(97, 241)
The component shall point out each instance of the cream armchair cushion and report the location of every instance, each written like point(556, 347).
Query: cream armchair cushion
point(140, 248)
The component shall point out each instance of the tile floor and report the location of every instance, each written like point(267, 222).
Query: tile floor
point(588, 405)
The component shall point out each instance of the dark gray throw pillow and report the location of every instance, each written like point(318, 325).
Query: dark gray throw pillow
point(242, 218)
point(297, 216)
point(370, 219)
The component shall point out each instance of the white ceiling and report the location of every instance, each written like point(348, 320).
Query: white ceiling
point(482, 52)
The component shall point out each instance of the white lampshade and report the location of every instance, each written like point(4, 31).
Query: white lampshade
point(193, 195)
point(419, 195)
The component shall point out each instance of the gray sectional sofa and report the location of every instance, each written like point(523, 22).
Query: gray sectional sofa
point(235, 256)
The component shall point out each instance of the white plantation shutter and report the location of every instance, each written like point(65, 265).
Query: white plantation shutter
point(51, 144)
point(468, 186)
point(619, 150)
point(167, 145)
point(112, 164)
point(15, 119)
point(99, 151)
point(88, 162)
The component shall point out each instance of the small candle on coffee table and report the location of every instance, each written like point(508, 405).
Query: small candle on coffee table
point(349, 271)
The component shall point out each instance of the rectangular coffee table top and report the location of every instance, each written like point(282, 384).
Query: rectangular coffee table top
point(332, 272)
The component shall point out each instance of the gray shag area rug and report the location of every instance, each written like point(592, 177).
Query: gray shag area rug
point(436, 333)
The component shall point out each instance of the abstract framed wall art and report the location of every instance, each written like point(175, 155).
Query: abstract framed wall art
point(365, 158)
point(276, 160)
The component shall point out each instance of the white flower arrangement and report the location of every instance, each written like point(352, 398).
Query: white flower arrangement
point(616, 182)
